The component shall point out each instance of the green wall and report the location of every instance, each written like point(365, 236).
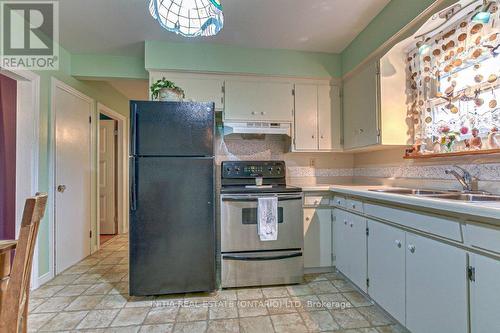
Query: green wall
point(230, 59)
point(100, 92)
point(395, 16)
point(107, 66)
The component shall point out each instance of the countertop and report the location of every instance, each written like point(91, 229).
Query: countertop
point(486, 210)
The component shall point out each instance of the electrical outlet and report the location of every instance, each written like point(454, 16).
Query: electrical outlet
point(312, 162)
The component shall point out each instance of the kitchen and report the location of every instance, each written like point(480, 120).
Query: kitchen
point(287, 180)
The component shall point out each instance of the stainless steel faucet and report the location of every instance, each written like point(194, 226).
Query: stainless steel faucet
point(468, 182)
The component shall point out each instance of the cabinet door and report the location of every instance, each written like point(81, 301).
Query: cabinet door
point(340, 242)
point(386, 268)
point(329, 127)
point(361, 108)
point(485, 294)
point(356, 250)
point(317, 237)
point(258, 101)
point(306, 117)
point(436, 286)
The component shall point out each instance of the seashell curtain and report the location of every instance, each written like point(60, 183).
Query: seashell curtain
point(454, 82)
point(189, 18)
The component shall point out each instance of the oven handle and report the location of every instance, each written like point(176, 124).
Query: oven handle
point(253, 198)
point(263, 258)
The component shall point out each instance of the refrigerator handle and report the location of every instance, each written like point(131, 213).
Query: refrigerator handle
point(133, 185)
point(133, 129)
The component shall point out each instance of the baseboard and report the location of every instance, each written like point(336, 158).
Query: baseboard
point(315, 270)
point(43, 279)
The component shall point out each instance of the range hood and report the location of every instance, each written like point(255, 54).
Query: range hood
point(252, 127)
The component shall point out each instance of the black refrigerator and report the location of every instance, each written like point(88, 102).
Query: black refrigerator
point(172, 212)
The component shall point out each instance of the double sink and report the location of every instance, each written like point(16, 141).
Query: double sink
point(448, 195)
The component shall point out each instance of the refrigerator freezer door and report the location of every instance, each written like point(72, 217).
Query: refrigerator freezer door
point(172, 229)
point(172, 128)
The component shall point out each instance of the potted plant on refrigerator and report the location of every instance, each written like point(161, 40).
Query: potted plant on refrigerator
point(165, 90)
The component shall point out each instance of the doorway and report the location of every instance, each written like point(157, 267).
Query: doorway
point(19, 144)
point(112, 173)
point(108, 154)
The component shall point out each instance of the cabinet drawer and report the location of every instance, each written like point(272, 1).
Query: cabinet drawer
point(317, 200)
point(339, 201)
point(432, 224)
point(355, 205)
point(482, 237)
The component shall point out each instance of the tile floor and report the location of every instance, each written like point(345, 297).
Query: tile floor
point(92, 296)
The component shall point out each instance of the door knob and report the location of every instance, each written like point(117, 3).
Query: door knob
point(411, 248)
point(61, 188)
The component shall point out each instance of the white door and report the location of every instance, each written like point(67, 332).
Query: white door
point(317, 237)
point(329, 126)
point(72, 176)
point(436, 286)
point(485, 294)
point(258, 101)
point(107, 177)
point(306, 117)
point(356, 250)
point(386, 268)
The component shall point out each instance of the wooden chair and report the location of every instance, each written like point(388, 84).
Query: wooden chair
point(14, 303)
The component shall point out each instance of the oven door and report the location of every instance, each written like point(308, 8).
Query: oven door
point(239, 223)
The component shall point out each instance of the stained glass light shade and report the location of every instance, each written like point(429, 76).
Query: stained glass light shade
point(189, 18)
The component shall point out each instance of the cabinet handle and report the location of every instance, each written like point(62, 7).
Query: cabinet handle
point(253, 113)
point(312, 136)
point(262, 113)
point(353, 206)
point(322, 137)
point(351, 225)
point(345, 222)
point(361, 131)
point(307, 218)
point(411, 248)
point(338, 202)
point(316, 202)
point(398, 243)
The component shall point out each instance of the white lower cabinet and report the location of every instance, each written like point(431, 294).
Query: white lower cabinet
point(436, 286)
point(340, 244)
point(350, 247)
point(317, 237)
point(484, 294)
point(386, 268)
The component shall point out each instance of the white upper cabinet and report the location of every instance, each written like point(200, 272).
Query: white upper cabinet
point(306, 117)
point(197, 88)
point(317, 118)
point(255, 100)
point(329, 116)
point(361, 108)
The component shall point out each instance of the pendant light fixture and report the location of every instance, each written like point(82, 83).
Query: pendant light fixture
point(188, 18)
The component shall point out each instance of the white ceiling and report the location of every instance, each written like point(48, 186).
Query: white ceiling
point(120, 26)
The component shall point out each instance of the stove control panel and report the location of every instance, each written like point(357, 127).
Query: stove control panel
point(253, 169)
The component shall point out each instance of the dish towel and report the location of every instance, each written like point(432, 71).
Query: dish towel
point(267, 224)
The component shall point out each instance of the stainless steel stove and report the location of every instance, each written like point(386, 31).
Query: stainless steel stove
point(246, 260)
